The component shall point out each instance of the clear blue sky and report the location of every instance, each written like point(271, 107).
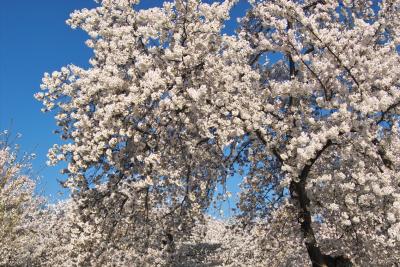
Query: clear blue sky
point(34, 39)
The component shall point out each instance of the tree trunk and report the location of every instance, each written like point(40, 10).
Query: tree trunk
point(298, 193)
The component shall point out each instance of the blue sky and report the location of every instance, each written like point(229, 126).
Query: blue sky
point(34, 39)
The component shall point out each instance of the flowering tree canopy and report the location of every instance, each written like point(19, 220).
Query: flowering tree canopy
point(303, 100)
point(18, 205)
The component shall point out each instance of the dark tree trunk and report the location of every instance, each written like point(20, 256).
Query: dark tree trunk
point(298, 193)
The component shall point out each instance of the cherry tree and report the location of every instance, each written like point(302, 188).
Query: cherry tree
point(138, 141)
point(18, 205)
point(330, 136)
point(302, 100)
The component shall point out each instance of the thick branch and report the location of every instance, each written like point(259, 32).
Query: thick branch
point(313, 4)
point(384, 113)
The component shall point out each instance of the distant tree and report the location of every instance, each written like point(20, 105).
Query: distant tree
point(171, 107)
point(18, 205)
